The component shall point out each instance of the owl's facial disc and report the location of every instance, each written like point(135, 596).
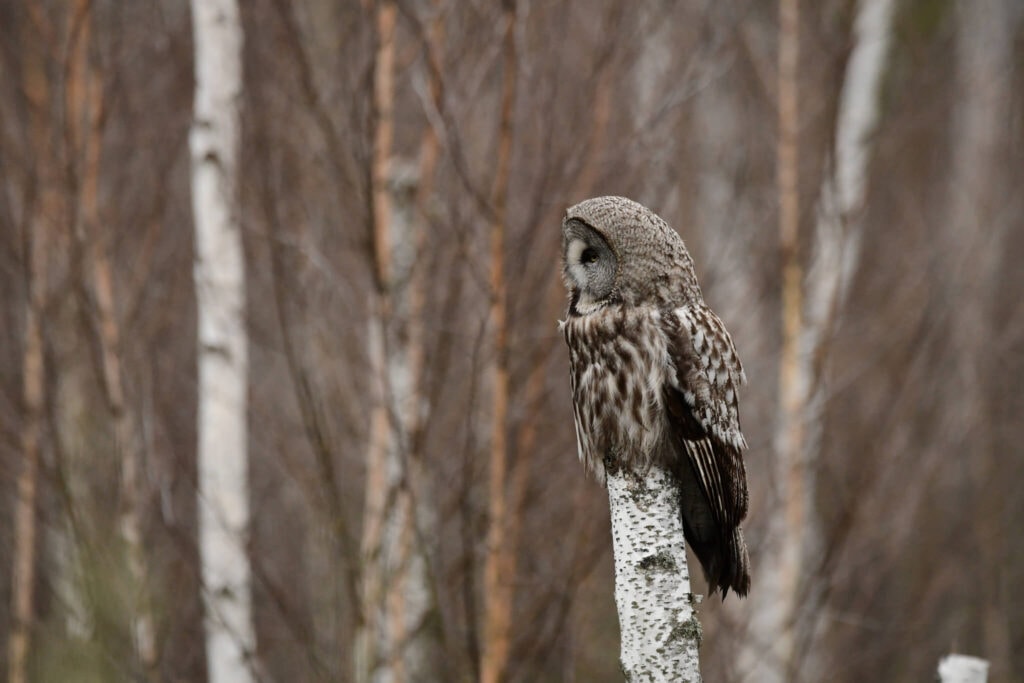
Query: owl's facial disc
point(590, 265)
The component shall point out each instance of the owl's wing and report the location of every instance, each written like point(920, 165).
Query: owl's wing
point(701, 400)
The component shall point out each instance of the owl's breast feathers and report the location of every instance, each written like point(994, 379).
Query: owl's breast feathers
point(656, 385)
point(618, 366)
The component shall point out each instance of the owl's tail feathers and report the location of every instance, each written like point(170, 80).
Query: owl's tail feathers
point(725, 562)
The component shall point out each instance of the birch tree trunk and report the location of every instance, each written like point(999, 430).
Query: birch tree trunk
point(392, 645)
point(397, 596)
point(86, 105)
point(772, 628)
point(657, 615)
point(835, 258)
point(811, 307)
point(223, 353)
point(370, 635)
point(371, 642)
point(24, 560)
point(23, 575)
point(499, 563)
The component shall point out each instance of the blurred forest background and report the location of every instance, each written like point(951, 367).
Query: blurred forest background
point(418, 512)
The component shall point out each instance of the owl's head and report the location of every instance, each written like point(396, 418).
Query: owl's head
point(617, 251)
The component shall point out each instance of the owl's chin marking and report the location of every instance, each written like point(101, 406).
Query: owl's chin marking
point(584, 305)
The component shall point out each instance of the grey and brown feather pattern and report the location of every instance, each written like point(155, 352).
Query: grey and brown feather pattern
point(655, 374)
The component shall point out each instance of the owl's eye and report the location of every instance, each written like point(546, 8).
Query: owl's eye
point(588, 256)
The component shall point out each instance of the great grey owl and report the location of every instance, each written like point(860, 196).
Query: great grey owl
point(655, 374)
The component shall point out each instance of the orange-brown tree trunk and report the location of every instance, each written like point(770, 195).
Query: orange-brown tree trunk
point(409, 598)
point(368, 655)
point(790, 431)
point(24, 569)
point(86, 104)
point(391, 644)
point(498, 565)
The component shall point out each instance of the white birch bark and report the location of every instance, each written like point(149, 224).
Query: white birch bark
point(780, 612)
point(834, 261)
point(392, 647)
point(657, 619)
point(842, 196)
point(410, 598)
point(963, 669)
point(223, 354)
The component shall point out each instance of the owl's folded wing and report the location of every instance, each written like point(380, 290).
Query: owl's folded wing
point(702, 402)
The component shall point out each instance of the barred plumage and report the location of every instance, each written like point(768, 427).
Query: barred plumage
point(655, 374)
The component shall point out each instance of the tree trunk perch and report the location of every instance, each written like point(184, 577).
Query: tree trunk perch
point(657, 615)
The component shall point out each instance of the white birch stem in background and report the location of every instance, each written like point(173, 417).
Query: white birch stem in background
point(834, 262)
point(842, 197)
point(784, 613)
point(660, 631)
point(963, 669)
point(223, 353)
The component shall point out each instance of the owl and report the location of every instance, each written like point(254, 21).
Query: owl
point(655, 374)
